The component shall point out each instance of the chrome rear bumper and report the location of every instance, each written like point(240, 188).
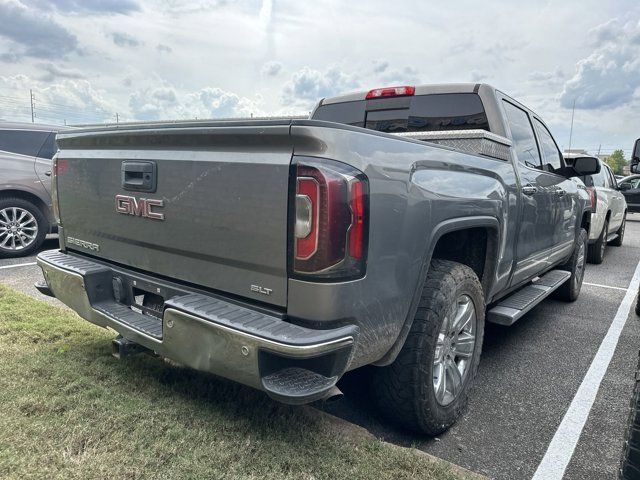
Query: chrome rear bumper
point(291, 363)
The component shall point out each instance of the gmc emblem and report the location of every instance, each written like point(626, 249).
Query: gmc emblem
point(140, 207)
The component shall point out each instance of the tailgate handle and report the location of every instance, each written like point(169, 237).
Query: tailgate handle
point(139, 176)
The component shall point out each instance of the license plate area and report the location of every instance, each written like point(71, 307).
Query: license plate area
point(147, 303)
point(140, 296)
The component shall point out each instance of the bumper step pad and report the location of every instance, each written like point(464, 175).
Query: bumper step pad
point(512, 308)
point(143, 323)
point(295, 382)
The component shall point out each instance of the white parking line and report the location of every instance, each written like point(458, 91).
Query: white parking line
point(563, 444)
point(18, 265)
point(604, 286)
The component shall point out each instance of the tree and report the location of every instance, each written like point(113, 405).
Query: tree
point(617, 162)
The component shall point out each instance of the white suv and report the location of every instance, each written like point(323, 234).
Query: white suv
point(610, 213)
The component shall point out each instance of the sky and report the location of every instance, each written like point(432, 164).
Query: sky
point(92, 60)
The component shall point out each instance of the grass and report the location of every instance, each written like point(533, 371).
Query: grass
point(70, 410)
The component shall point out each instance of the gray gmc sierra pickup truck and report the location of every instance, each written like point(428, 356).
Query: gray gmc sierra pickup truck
point(382, 231)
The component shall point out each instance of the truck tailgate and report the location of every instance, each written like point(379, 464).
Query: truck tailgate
point(217, 216)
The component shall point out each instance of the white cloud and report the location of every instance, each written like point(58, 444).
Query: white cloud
point(610, 76)
point(123, 39)
point(214, 58)
point(271, 69)
point(32, 33)
point(307, 86)
point(72, 100)
point(209, 102)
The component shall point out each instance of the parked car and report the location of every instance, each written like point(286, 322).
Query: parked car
point(630, 188)
point(26, 151)
point(609, 216)
point(281, 254)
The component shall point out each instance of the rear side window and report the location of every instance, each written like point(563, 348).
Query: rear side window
point(350, 113)
point(48, 149)
point(22, 142)
point(524, 141)
point(421, 113)
point(548, 145)
point(597, 180)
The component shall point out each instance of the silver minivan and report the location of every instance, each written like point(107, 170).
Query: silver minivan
point(26, 218)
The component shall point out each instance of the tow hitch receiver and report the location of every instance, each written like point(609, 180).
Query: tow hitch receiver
point(122, 348)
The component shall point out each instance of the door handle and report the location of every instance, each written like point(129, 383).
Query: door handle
point(529, 189)
point(48, 173)
point(560, 192)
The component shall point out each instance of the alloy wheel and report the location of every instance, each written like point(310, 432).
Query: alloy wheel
point(455, 348)
point(18, 228)
point(579, 273)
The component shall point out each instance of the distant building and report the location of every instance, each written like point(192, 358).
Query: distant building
point(576, 151)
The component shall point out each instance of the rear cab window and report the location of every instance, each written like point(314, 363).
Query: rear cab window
point(23, 142)
point(419, 113)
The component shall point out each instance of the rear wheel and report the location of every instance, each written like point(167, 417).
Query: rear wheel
point(630, 463)
point(427, 387)
point(23, 227)
point(617, 242)
point(596, 250)
point(570, 289)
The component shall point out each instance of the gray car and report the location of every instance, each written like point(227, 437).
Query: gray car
point(25, 187)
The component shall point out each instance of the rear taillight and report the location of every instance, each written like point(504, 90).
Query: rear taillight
point(390, 92)
point(329, 222)
point(594, 198)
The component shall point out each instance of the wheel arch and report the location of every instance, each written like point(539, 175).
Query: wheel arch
point(30, 197)
point(449, 231)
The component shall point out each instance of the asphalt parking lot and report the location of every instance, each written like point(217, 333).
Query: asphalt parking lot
point(531, 377)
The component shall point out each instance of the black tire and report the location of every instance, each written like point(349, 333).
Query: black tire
point(41, 225)
point(596, 250)
point(617, 242)
point(570, 289)
point(405, 391)
point(630, 462)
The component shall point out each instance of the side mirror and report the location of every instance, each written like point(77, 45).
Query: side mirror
point(624, 186)
point(635, 157)
point(586, 166)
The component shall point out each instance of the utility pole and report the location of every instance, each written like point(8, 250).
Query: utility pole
point(117, 118)
point(33, 116)
point(599, 147)
point(573, 111)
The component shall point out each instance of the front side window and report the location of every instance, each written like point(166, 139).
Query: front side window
point(549, 148)
point(22, 142)
point(524, 141)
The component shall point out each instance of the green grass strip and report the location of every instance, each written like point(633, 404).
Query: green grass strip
point(70, 410)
